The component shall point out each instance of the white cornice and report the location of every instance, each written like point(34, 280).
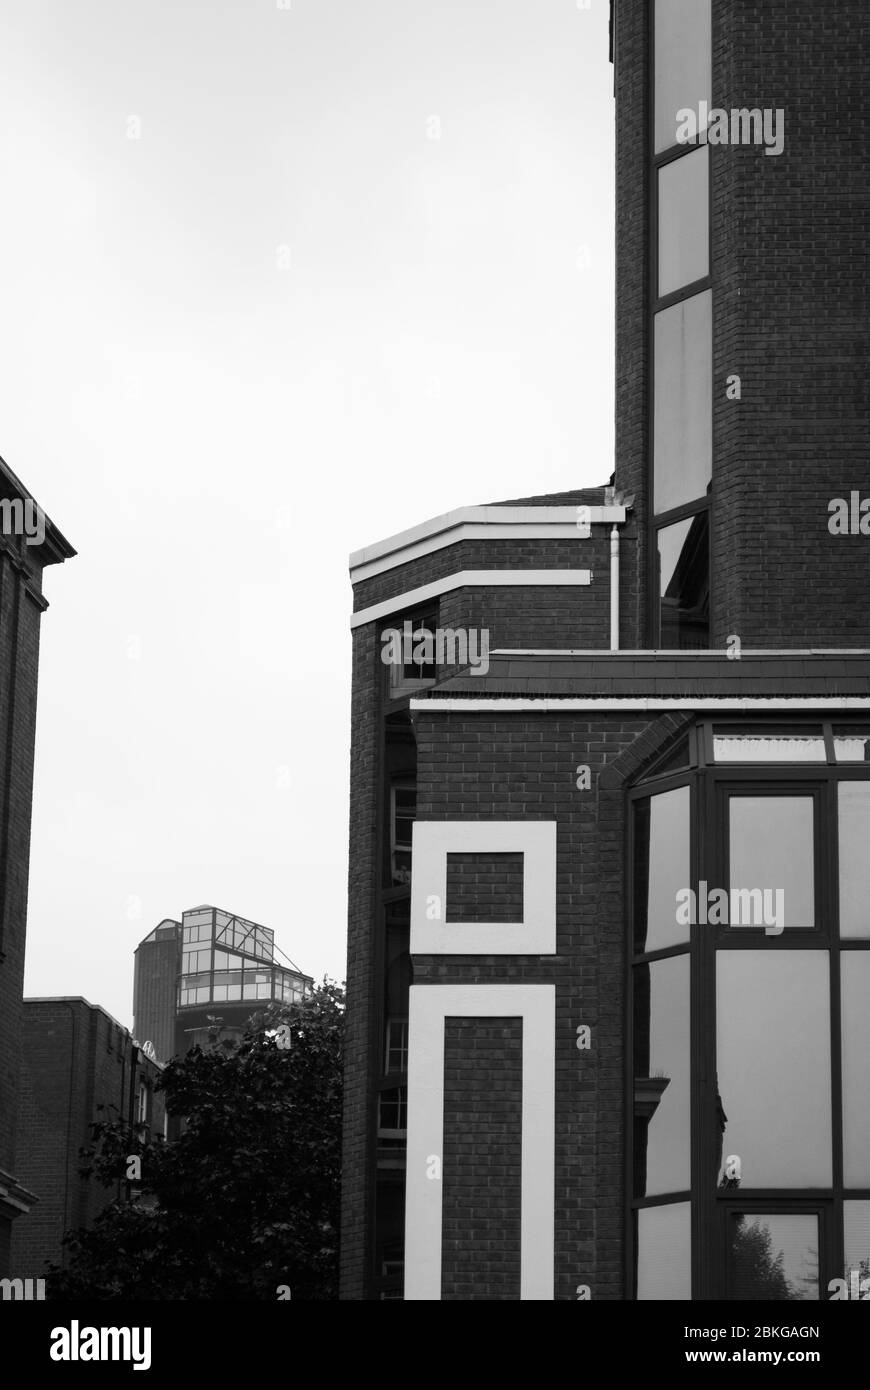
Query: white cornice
point(464, 579)
point(547, 704)
point(477, 523)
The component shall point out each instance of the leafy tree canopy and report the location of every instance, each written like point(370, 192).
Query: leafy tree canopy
point(247, 1198)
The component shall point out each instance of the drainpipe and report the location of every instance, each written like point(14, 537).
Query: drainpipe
point(614, 589)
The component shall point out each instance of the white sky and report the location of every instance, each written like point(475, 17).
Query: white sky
point(214, 431)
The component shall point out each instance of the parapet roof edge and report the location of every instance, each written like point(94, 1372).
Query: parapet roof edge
point(494, 514)
point(58, 546)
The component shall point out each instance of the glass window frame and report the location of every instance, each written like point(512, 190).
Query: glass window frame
point(711, 784)
point(658, 520)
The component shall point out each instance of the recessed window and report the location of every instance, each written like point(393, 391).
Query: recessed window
point(684, 221)
point(403, 813)
point(409, 649)
point(772, 862)
point(683, 63)
point(760, 744)
point(773, 1257)
point(684, 584)
point(774, 1067)
point(397, 1045)
point(142, 1104)
point(393, 1113)
point(683, 430)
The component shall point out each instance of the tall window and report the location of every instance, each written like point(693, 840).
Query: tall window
point(750, 940)
point(681, 334)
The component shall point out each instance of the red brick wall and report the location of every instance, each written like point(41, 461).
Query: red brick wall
point(20, 610)
point(76, 1071)
point(482, 1169)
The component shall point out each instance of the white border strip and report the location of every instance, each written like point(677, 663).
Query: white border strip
point(439, 531)
point(432, 841)
point(517, 579)
point(429, 1006)
point(642, 703)
point(693, 653)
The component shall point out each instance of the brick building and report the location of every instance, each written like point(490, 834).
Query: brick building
point(210, 964)
point(29, 542)
point(609, 936)
point(80, 1066)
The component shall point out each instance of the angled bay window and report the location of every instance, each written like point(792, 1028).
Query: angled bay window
point(750, 1110)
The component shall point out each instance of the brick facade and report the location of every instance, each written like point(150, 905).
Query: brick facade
point(21, 607)
point(80, 1066)
point(545, 734)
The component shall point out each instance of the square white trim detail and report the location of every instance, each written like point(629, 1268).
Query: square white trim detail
point(432, 841)
point(429, 1006)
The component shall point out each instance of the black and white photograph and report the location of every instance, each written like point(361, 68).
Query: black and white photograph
point(434, 672)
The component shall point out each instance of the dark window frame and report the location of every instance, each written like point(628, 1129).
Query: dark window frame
point(710, 786)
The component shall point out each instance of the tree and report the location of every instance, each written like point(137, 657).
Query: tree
point(246, 1200)
point(757, 1273)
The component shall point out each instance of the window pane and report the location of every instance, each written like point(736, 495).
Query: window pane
point(684, 221)
point(683, 60)
point(773, 1257)
point(664, 1252)
point(852, 745)
point(683, 416)
point(855, 983)
point(684, 579)
point(774, 1048)
point(661, 1077)
point(856, 1229)
point(661, 869)
point(760, 745)
point(854, 817)
point(771, 861)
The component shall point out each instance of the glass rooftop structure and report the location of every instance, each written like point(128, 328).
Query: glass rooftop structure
point(226, 958)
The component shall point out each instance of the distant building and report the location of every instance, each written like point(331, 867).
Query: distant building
point(29, 542)
point(210, 964)
point(80, 1066)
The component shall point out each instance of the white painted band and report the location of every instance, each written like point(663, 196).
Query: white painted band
point(432, 841)
point(487, 523)
point(463, 579)
point(642, 703)
point(429, 1006)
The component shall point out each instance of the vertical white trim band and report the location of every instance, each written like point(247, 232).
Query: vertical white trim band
point(429, 1006)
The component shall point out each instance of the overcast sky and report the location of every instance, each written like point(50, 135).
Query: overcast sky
point(337, 285)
